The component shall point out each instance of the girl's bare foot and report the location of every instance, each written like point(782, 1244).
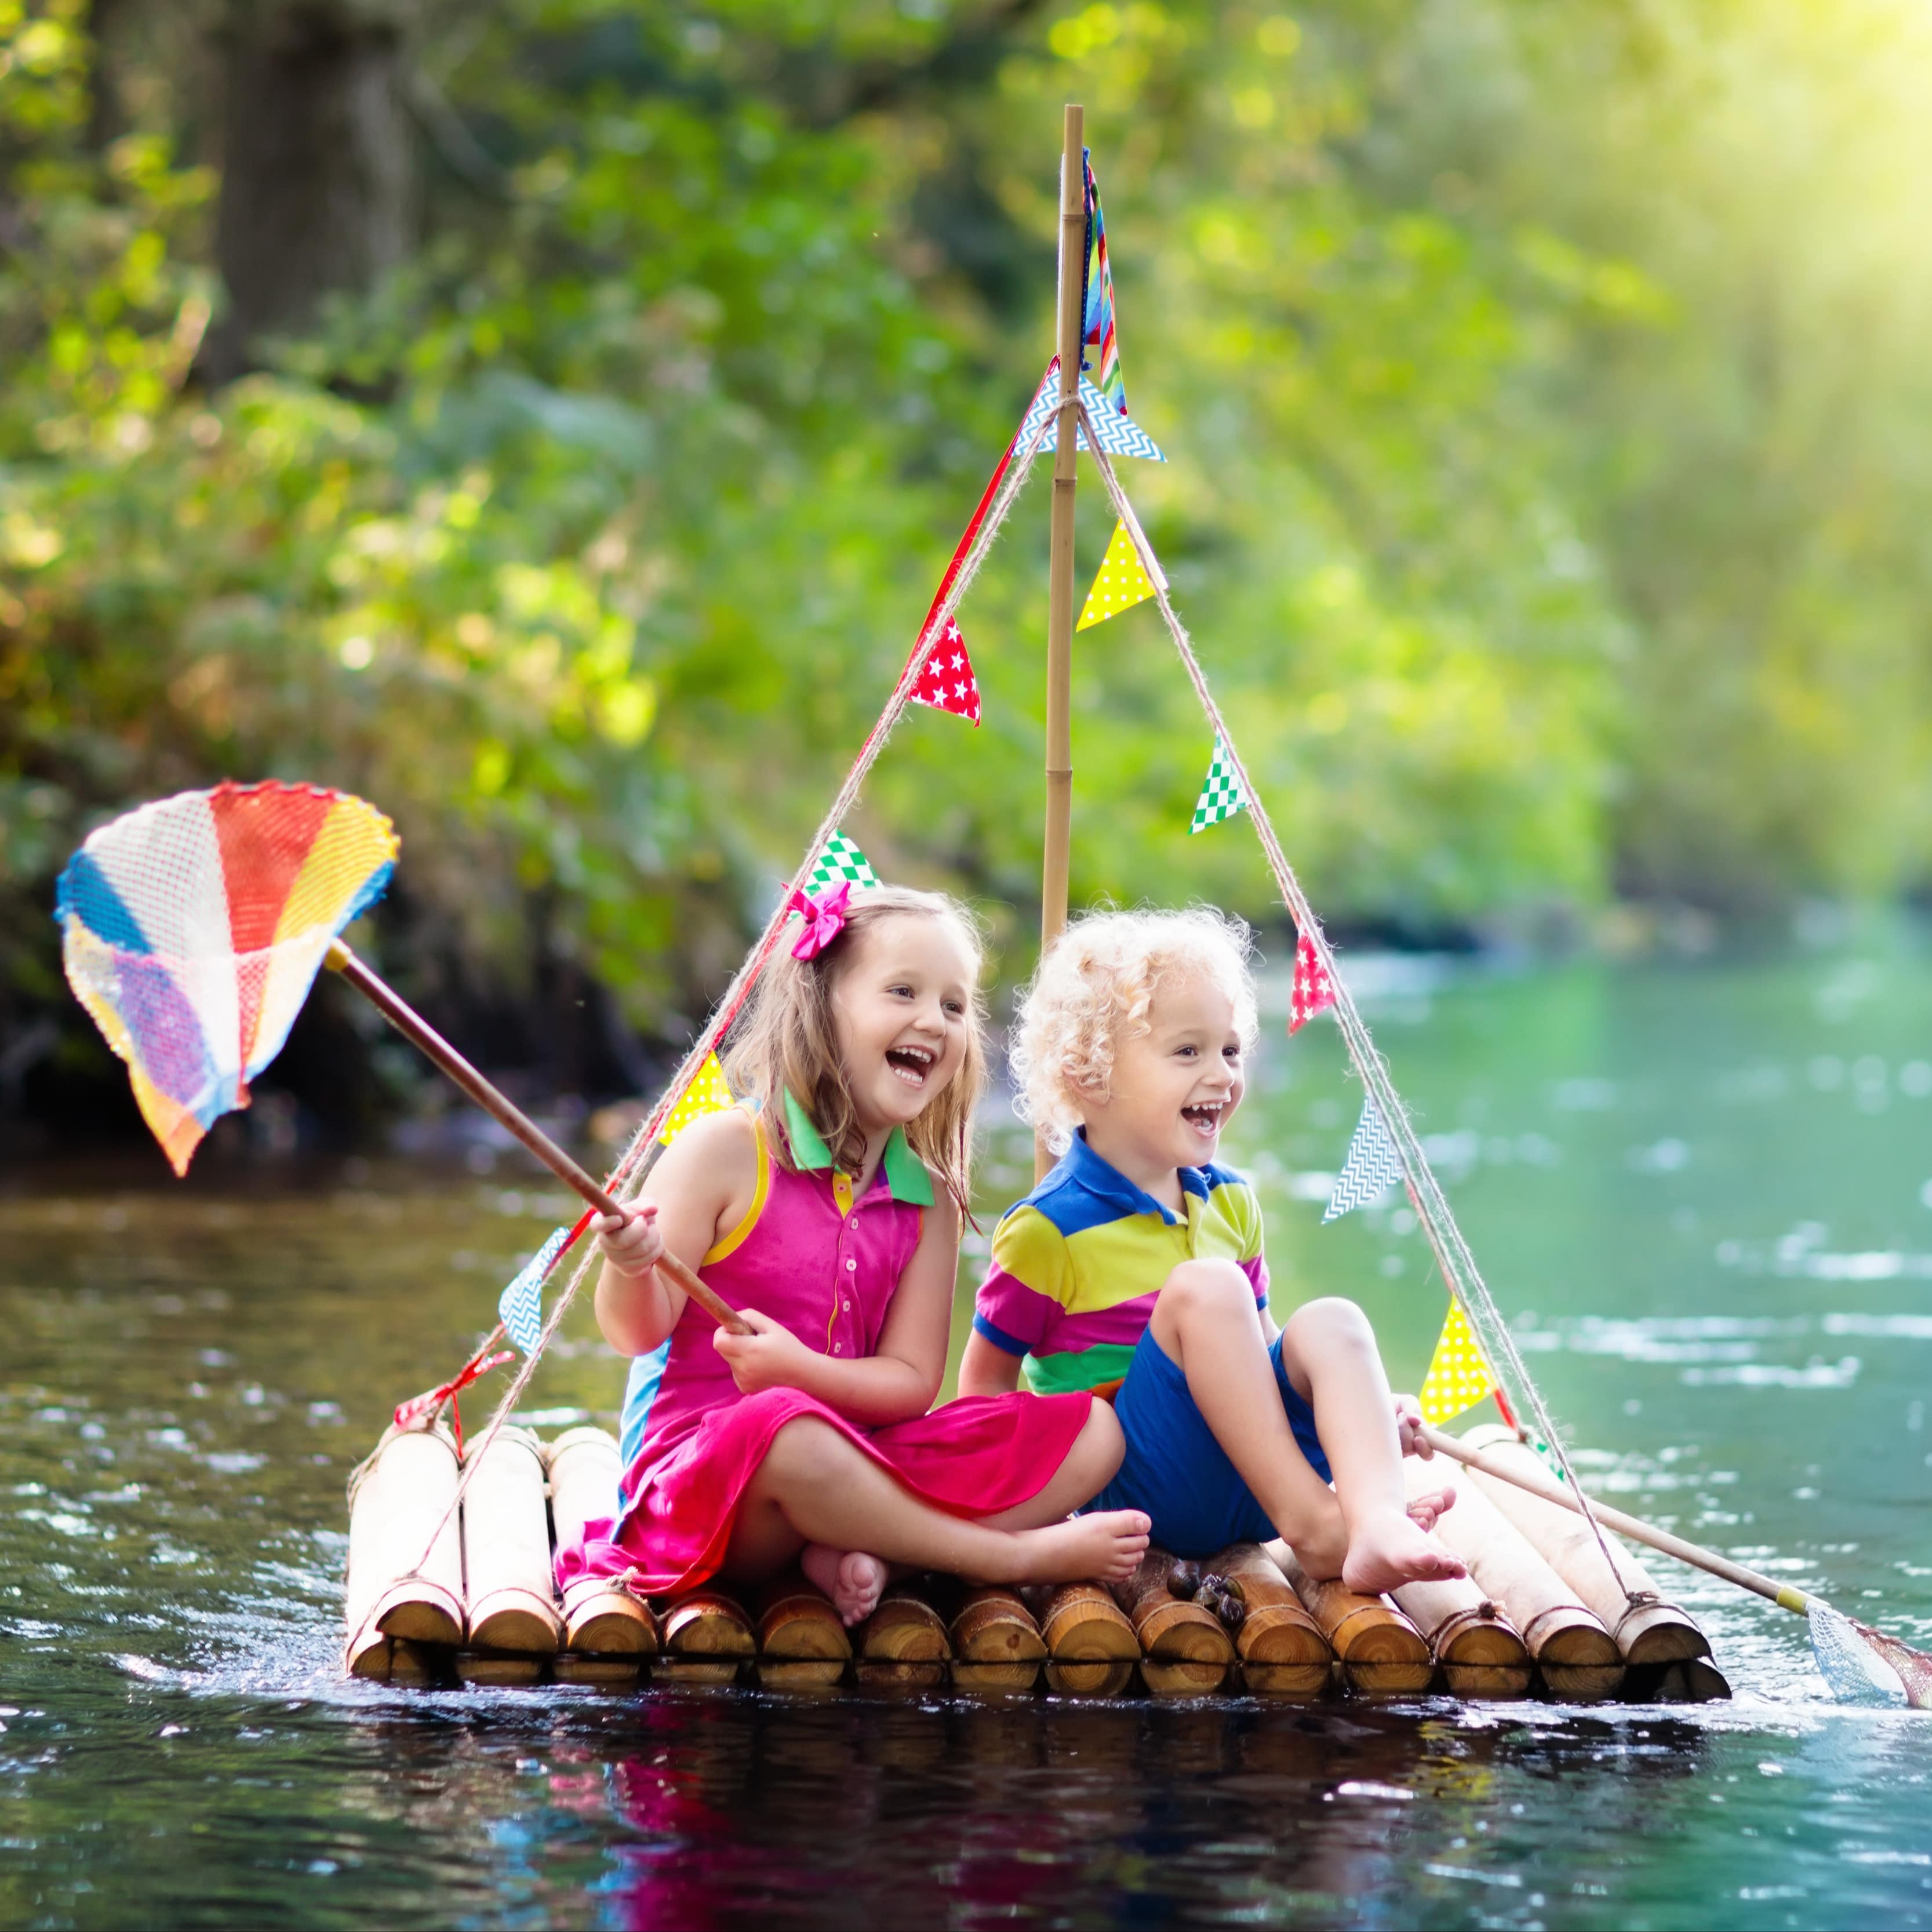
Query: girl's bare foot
point(853, 1579)
point(1392, 1550)
point(1427, 1511)
point(1104, 1548)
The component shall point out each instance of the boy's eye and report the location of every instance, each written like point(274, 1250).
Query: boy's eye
point(1185, 1052)
point(900, 992)
point(1232, 1054)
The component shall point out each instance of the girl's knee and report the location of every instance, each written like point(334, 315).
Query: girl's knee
point(1101, 1445)
point(806, 1449)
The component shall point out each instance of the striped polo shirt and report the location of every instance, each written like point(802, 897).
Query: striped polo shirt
point(1077, 1264)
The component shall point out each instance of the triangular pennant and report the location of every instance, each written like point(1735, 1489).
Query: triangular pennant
point(1312, 990)
point(1371, 1168)
point(1221, 793)
point(842, 861)
point(946, 680)
point(1099, 344)
point(1119, 435)
point(1123, 581)
point(520, 1307)
point(1459, 1374)
point(708, 1094)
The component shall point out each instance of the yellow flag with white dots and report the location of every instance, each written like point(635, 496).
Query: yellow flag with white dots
point(1122, 583)
point(1459, 1374)
point(706, 1094)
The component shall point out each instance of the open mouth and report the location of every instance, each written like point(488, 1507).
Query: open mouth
point(1204, 1116)
point(911, 1064)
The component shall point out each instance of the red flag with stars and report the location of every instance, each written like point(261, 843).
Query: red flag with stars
point(1313, 989)
point(946, 680)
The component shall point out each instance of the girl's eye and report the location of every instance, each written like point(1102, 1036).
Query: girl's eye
point(1185, 1052)
point(900, 992)
point(955, 1007)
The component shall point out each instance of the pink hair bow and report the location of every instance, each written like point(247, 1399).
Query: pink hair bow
point(824, 919)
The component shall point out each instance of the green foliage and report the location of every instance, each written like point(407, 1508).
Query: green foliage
point(1542, 397)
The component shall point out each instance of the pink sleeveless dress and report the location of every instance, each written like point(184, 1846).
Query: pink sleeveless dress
point(825, 1265)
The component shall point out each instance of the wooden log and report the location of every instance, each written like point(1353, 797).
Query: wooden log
point(599, 1673)
point(1091, 1648)
point(369, 1657)
point(903, 1646)
point(488, 1667)
point(1185, 1652)
point(509, 1592)
point(602, 1618)
point(1281, 1650)
point(707, 1639)
point(1652, 1630)
point(1380, 1653)
point(396, 1499)
point(419, 1666)
point(1577, 1657)
point(1481, 1653)
point(802, 1644)
point(998, 1649)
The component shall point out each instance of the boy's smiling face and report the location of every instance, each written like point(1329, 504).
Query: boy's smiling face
point(1174, 1087)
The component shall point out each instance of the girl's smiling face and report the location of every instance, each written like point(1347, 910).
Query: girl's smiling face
point(902, 1007)
point(1174, 1086)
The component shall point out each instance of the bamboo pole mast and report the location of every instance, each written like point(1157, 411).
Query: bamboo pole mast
point(1060, 566)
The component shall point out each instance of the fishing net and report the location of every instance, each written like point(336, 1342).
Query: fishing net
point(192, 929)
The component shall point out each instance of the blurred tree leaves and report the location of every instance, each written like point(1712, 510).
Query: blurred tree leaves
point(1544, 400)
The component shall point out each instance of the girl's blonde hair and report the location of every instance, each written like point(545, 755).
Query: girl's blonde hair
point(1093, 990)
point(790, 1042)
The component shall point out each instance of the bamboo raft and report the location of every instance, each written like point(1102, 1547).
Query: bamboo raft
point(1538, 1615)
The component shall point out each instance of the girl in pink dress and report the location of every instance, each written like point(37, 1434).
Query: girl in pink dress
point(813, 1211)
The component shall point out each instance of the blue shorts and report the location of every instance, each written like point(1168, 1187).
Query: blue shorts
point(1175, 1469)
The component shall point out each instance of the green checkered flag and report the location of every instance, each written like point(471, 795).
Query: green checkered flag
point(1221, 795)
point(841, 860)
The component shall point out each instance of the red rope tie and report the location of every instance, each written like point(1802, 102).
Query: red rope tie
point(410, 1414)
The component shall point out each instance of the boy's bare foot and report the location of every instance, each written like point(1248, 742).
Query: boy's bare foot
point(1104, 1548)
point(1427, 1511)
point(853, 1580)
point(1393, 1550)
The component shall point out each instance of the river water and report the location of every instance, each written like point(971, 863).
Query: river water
point(1703, 1192)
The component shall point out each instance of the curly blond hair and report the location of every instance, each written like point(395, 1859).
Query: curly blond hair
point(1093, 990)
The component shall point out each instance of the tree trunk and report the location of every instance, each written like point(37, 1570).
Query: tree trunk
point(318, 168)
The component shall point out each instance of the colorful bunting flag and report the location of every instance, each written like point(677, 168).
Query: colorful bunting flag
point(841, 861)
point(1459, 1374)
point(708, 1094)
point(1119, 435)
point(1313, 989)
point(1123, 581)
point(946, 681)
point(1221, 793)
point(520, 1308)
point(1099, 345)
point(1372, 1166)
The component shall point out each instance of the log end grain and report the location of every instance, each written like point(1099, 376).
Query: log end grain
point(706, 1625)
point(993, 1628)
point(1186, 1676)
point(1297, 1683)
point(598, 1673)
point(420, 1612)
point(485, 1667)
point(514, 1618)
point(797, 1623)
point(1093, 1677)
point(602, 1618)
point(800, 1675)
point(904, 1629)
point(892, 1677)
point(1013, 1678)
point(419, 1666)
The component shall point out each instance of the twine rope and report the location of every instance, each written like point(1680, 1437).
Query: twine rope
point(1465, 1278)
point(627, 1176)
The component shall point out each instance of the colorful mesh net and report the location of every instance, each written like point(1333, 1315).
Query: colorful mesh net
point(193, 928)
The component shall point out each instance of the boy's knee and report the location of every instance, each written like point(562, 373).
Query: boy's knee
point(1206, 1286)
point(1334, 1321)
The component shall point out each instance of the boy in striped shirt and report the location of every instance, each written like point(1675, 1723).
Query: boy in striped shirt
point(1136, 1268)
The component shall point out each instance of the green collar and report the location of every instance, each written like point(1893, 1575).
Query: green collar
point(906, 1177)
